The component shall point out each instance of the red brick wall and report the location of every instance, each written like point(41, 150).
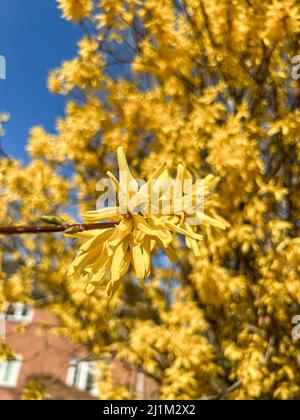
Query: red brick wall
point(46, 354)
point(49, 354)
point(126, 374)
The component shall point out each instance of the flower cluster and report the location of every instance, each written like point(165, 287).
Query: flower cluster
point(146, 216)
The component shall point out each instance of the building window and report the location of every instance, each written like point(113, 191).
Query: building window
point(9, 372)
point(140, 384)
point(19, 312)
point(81, 376)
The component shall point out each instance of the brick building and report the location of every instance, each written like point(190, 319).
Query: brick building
point(55, 359)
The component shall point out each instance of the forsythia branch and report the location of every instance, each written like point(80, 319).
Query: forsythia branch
point(21, 230)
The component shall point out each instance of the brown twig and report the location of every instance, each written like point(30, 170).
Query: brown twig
point(269, 351)
point(223, 393)
point(21, 230)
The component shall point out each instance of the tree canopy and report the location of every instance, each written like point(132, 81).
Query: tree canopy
point(205, 85)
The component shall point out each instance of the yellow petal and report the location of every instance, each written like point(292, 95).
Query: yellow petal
point(82, 260)
point(85, 235)
point(90, 288)
point(100, 275)
point(209, 221)
point(118, 261)
point(99, 262)
point(138, 261)
point(114, 181)
point(109, 213)
point(145, 189)
point(121, 233)
point(192, 243)
point(184, 232)
point(126, 264)
point(124, 170)
point(171, 254)
point(97, 240)
point(147, 255)
point(154, 231)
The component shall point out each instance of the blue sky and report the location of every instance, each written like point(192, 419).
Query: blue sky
point(33, 39)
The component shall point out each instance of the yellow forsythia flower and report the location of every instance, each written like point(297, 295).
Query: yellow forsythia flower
point(143, 225)
point(35, 391)
point(75, 10)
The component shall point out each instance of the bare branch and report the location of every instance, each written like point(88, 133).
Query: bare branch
point(21, 230)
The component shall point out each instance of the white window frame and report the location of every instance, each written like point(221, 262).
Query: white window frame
point(17, 316)
point(140, 384)
point(13, 382)
point(2, 326)
point(78, 372)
